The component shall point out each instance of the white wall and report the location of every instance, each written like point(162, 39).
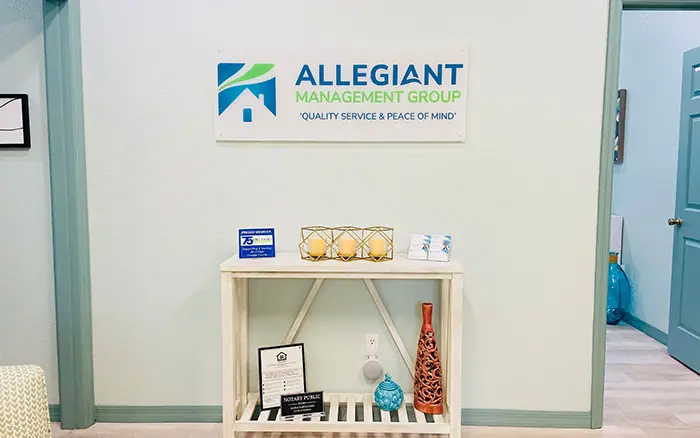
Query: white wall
point(166, 200)
point(645, 183)
point(27, 322)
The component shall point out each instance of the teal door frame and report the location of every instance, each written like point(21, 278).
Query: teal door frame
point(612, 72)
point(70, 210)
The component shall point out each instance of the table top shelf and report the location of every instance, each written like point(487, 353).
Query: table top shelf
point(292, 265)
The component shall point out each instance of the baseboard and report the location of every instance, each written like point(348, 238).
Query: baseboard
point(646, 328)
point(519, 418)
point(158, 414)
point(55, 413)
point(470, 417)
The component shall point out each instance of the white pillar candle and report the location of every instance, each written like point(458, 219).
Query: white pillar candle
point(347, 247)
point(377, 247)
point(317, 247)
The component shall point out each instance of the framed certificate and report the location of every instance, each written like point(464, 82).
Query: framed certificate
point(281, 371)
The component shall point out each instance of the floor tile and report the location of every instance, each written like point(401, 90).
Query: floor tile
point(643, 419)
point(150, 430)
point(666, 433)
point(690, 418)
point(57, 432)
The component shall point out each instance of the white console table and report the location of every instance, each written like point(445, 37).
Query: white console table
point(239, 406)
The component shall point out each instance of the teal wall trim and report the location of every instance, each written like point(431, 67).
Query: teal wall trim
point(516, 418)
point(612, 71)
point(159, 414)
point(64, 99)
point(55, 413)
point(661, 4)
point(470, 417)
point(647, 329)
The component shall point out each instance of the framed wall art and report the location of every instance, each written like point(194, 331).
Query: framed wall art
point(619, 151)
point(14, 121)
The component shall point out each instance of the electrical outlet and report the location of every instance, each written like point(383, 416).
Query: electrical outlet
point(372, 344)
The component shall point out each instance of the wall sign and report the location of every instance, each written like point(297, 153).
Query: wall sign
point(342, 95)
point(14, 121)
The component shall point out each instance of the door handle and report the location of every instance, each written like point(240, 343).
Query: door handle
point(677, 222)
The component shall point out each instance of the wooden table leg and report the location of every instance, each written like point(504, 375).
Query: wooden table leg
point(242, 342)
point(444, 344)
point(454, 392)
point(228, 352)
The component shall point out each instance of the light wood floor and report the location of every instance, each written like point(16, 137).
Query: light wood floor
point(648, 395)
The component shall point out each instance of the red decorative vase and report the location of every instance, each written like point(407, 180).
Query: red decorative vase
point(427, 386)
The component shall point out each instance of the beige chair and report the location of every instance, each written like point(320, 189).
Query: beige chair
point(24, 406)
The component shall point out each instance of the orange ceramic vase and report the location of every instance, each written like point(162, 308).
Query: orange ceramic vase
point(427, 386)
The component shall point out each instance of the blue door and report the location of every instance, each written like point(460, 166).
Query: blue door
point(684, 327)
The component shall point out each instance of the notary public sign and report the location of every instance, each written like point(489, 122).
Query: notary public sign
point(342, 95)
point(307, 404)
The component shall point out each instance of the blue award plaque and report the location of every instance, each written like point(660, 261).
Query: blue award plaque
point(256, 242)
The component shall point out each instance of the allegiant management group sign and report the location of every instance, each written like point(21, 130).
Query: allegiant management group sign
point(342, 95)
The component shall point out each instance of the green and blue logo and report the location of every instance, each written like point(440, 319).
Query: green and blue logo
point(249, 85)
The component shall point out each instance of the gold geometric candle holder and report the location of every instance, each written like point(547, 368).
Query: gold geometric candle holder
point(375, 244)
point(316, 243)
point(378, 243)
point(347, 244)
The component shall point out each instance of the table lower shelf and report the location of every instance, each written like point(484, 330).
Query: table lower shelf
point(344, 413)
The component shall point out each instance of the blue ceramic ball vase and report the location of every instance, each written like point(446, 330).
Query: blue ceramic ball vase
point(388, 395)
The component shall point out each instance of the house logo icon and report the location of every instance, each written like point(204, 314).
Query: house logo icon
point(281, 357)
point(248, 88)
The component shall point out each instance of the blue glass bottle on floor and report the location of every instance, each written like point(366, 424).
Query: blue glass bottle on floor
point(618, 291)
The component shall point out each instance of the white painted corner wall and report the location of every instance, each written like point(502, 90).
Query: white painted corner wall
point(27, 312)
point(519, 196)
point(644, 185)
